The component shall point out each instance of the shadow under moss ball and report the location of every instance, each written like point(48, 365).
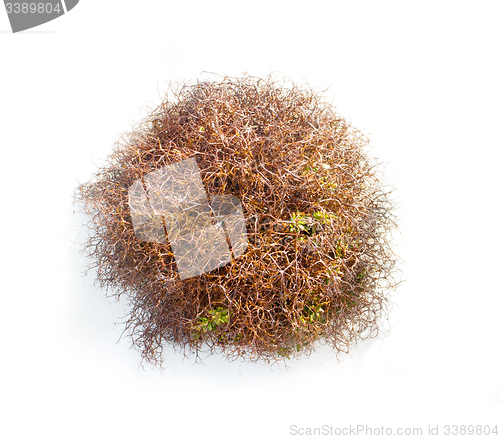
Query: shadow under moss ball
point(317, 264)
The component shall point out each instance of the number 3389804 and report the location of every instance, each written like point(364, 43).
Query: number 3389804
point(33, 8)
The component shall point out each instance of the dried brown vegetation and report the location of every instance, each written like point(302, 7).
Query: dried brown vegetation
point(318, 264)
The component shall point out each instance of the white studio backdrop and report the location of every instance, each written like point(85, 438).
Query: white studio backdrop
point(420, 79)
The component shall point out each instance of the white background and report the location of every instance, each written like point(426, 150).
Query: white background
point(420, 78)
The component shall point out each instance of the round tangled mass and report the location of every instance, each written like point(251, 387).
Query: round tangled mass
point(317, 264)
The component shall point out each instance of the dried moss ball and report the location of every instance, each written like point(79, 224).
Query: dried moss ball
point(318, 263)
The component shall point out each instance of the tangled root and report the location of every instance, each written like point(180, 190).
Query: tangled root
point(318, 263)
